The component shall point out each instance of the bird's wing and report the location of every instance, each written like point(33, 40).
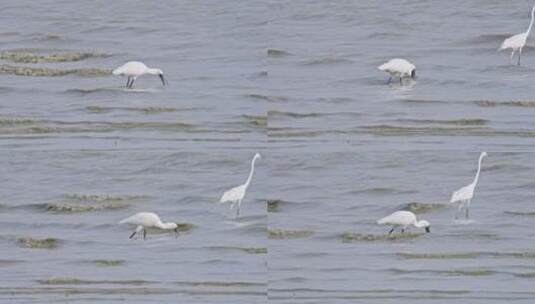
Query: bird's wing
point(461, 194)
point(512, 42)
point(230, 195)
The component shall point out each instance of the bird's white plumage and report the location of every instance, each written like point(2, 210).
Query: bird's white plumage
point(236, 194)
point(398, 67)
point(144, 220)
point(403, 219)
point(518, 41)
point(464, 195)
point(134, 69)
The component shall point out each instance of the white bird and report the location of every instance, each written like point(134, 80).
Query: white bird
point(144, 220)
point(236, 194)
point(464, 195)
point(403, 219)
point(518, 41)
point(134, 69)
point(398, 68)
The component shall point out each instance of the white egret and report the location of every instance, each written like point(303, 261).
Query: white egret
point(518, 41)
point(236, 194)
point(134, 69)
point(398, 68)
point(403, 219)
point(464, 195)
point(144, 220)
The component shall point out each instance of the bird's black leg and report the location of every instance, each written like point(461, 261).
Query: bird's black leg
point(144, 233)
point(176, 232)
point(392, 230)
point(519, 55)
point(132, 82)
point(403, 230)
point(389, 80)
point(400, 80)
point(131, 236)
point(467, 212)
point(128, 82)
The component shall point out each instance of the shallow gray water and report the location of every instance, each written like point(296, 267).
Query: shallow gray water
point(298, 83)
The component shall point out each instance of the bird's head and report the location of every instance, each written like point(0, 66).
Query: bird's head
point(484, 154)
point(425, 224)
point(160, 74)
point(257, 155)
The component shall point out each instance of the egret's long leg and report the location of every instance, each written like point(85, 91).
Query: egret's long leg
point(144, 233)
point(128, 82)
point(519, 55)
point(467, 215)
point(400, 80)
point(459, 210)
point(392, 230)
point(389, 80)
point(402, 230)
point(132, 235)
point(132, 82)
point(512, 56)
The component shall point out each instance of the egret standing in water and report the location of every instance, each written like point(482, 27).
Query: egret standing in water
point(236, 194)
point(403, 219)
point(465, 195)
point(134, 69)
point(144, 220)
point(518, 41)
point(398, 68)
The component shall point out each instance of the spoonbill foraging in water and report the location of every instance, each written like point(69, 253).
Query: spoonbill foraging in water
point(398, 68)
point(518, 41)
point(403, 219)
point(134, 69)
point(236, 194)
point(144, 220)
point(465, 195)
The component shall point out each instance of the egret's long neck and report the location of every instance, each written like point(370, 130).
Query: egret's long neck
point(531, 22)
point(165, 225)
point(476, 179)
point(419, 224)
point(250, 173)
point(153, 71)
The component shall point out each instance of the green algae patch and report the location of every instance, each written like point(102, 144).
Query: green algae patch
point(277, 53)
point(48, 243)
point(28, 57)
point(108, 263)
point(273, 205)
point(256, 120)
point(255, 250)
point(50, 72)
point(349, 237)
point(279, 234)
point(420, 208)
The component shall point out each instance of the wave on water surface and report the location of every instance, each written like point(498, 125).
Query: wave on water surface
point(51, 72)
point(23, 56)
point(350, 237)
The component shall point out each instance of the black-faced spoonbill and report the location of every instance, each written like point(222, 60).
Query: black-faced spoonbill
point(518, 41)
point(144, 220)
point(398, 68)
point(403, 219)
point(236, 194)
point(134, 69)
point(464, 195)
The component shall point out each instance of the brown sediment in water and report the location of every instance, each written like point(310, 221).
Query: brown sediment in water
point(28, 126)
point(48, 243)
point(467, 255)
point(256, 120)
point(279, 234)
point(518, 103)
point(255, 250)
point(521, 213)
point(348, 237)
point(420, 208)
point(452, 122)
point(28, 57)
point(144, 110)
point(76, 281)
point(50, 72)
point(76, 203)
